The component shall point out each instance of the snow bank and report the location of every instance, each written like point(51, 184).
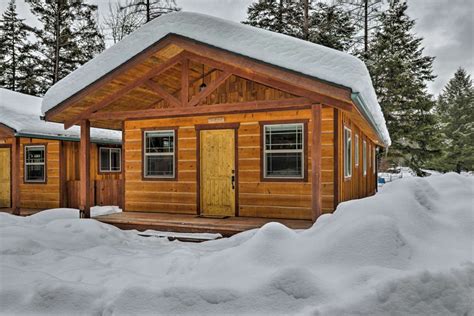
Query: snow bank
point(22, 112)
point(405, 251)
point(277, 49)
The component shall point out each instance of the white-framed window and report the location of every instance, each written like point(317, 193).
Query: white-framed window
point(374, 156)
point(35, 163)
point(347, 152)
point(356, 150)
point(159, 154)
point(283, 151)
point(364, 158)
point(110, 159)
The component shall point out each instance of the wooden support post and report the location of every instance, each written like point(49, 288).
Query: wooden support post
point(184, 82)
point(316, 187)
point(15, 176)
point(84, 167)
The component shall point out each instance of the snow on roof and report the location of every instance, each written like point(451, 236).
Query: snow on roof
point(277, 49)
point(21, 112)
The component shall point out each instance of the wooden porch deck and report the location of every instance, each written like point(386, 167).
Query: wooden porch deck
point(23, 211)
point(193, 224)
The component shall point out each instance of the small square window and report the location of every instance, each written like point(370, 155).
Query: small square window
point(110, 159)
point(35, 163)
point(356, 150)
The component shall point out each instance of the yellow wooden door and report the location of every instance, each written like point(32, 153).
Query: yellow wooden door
point(217, 172)
point(5, 177)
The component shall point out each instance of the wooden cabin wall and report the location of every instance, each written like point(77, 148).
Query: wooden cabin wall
point(358, 185)
point(41, 195)
point(256, 198)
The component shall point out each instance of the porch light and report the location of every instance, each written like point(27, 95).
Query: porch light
point(203, 85)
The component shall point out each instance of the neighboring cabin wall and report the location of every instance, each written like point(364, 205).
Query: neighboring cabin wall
point(256, 198)
point(358, 185)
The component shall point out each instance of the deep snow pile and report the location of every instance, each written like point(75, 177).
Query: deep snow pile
point(406, 251)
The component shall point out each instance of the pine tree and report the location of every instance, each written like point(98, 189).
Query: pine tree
point(456, 113)
point(68, 38)
point(319, 23)
point(400, 73)
point(331, 27)
point(17, 62)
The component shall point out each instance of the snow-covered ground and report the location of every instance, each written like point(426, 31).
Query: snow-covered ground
point(406, 251)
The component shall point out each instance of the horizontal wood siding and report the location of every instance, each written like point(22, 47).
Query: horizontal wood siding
point(256, 198)
point(41, 195)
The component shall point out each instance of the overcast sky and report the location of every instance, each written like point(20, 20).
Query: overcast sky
point(446, 25)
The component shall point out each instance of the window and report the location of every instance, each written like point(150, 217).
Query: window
point(35, 158)
point(110, 159)
point(356, 150)
point(284, 151)
point(347, 152)
point(364, 157)
point(159, 154)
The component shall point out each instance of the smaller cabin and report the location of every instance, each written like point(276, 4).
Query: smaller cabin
point(39, 161)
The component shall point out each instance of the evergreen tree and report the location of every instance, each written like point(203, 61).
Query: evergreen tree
point(17, 63)
point(456, 113)
point(69, 37)
point(331, 27)
point(319, 23)
point(400, 73)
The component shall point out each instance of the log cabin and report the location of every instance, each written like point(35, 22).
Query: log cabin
point(39, 161)
point(224, 120)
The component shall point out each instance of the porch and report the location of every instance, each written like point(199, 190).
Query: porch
point(182, 223)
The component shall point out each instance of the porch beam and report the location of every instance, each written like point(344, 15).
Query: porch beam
point(128, 87)
point(271, 80)
point(316, 187)
point(160, 91)
point(224, 108)
point(209, 89)
point(15, 175)
point(84, 170)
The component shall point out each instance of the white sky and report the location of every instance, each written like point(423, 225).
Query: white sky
point(446, 25)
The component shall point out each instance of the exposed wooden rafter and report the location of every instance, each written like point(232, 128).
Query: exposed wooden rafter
point(155, 87)
point(239, 107)
point(118, 94)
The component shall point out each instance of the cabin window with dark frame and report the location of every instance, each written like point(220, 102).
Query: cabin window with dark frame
point(347, 152)
point(356, 150)
point(373, 159)
point(110, 159)
point(35, 164)
point(364, 157)
point(159, 154)
point(283, 151)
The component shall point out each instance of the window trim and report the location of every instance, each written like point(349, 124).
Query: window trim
point(45, 163)
point(174, 129)
point(110, 148)
point(356, 150)
point(364, 158)
point(304, 177)
point(349, 159)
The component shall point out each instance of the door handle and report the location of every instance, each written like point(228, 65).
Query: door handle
point(233, 182)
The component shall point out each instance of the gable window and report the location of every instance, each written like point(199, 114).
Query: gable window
point(364, 157)
point(283, 151)
point(35, 164)
point(159, 154)
point(356, 150)
point(347, 152)
point(110, 159)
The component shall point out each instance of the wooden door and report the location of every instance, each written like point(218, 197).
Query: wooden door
point(5, 177)
point(217, 172)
